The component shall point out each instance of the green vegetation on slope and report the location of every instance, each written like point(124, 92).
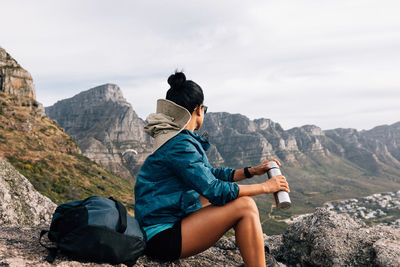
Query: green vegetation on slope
point(38, 148)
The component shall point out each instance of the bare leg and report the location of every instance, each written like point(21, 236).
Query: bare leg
point(204, 201)
point(203, 228)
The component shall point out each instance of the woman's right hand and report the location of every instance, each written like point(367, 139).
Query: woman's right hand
point(275, 184)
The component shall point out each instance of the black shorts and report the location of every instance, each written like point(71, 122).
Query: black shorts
point(166, 245)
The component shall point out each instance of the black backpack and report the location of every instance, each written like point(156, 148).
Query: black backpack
point(95, 229)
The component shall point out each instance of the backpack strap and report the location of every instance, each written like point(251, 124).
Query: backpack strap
point(52, 250)
point(122, 215)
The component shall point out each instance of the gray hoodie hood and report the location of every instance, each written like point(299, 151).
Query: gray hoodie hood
point(169, 120)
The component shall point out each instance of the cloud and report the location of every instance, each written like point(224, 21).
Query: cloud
point(296, 62)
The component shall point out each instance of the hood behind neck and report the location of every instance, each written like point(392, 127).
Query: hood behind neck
point(169, 120)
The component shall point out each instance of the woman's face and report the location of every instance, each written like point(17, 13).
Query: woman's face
point(200, 118)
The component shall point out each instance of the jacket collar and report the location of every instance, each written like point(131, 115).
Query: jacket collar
point(203, 142)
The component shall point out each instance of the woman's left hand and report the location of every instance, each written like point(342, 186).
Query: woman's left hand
point(263, 167)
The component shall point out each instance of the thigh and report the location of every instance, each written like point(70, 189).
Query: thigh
point(203, 228)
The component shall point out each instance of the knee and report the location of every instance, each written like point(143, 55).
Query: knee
point(248, 205)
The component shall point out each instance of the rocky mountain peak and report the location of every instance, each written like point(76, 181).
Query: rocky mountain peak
point(267, 124)
point(89, 108)
point(16, 81)
point(347, 133)
point(241, 141)
point(236, 122)
point(13, 78)
point(103, 93)
point(106, 128)
point(95, 96)
point(310, 130)
point(386, 132)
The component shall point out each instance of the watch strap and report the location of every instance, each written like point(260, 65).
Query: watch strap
point(247, 173)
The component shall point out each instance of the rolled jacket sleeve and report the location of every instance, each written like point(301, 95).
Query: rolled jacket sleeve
point(188, 163)
point(222, 173)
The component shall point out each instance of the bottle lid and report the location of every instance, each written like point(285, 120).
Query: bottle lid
point(272, 164)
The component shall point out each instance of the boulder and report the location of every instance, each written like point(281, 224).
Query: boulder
point(20, 203)
point(329, 239)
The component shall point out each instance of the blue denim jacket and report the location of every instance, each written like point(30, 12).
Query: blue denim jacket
point(174, 176)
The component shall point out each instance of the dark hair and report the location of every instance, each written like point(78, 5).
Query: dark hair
point(185, 93)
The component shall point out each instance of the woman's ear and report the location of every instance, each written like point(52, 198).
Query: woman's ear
point(198, 111)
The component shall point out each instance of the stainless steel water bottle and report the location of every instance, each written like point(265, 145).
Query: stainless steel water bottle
point(282, 198)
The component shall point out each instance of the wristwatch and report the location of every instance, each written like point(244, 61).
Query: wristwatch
point(247, 173)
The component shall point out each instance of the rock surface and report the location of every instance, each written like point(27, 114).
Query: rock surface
point(325, 238)
point(240, 141)
point(329, 239)
point(19, 247)
point(374, 150)
point(106, 128)
point(16, 81)
point(20, 203)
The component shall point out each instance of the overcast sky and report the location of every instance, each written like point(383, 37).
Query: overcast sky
point(334, 64)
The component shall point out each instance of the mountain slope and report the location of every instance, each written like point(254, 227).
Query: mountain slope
point(376, 150)
point(40, 150)
point(105, 127)
point(319, 165)
point(20, 203)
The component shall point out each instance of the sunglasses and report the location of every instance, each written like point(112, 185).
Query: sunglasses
point(205, 108)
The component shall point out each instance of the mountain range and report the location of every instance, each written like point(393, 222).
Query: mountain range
point(319, 165)
point(64, 154)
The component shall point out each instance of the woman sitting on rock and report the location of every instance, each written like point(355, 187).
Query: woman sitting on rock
point(184, 204)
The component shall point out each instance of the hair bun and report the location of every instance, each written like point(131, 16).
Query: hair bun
point(177, 80)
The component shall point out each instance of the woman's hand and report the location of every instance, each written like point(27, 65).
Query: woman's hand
point(263, 167)
point(275, 184)
point(257, 170)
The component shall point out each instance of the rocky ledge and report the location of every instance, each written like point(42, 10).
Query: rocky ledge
point(327, 238)
point(16, 81)
point(20, 203)
point(323, 239)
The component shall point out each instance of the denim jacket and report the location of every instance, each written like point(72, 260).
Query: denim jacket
point(173, 177)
